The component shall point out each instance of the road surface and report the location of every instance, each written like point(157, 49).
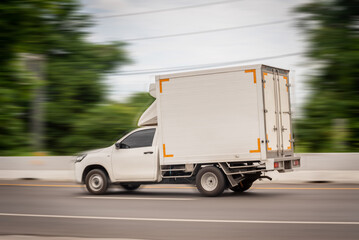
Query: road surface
point(39, 209)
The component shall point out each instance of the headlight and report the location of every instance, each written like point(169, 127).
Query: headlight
point(79, 158)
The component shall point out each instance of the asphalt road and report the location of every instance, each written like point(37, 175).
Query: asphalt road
point(267, 211)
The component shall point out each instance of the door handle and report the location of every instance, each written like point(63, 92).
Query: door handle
point(147, 152)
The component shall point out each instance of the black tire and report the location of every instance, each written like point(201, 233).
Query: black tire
point(130, 186)
point(242, 186)
point(210, 181)
point(96, 182)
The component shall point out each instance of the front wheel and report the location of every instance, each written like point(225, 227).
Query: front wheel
point(210, 181)
point(96, 182)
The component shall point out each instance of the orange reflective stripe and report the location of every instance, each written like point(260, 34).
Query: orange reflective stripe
point(290, 143)
point(286, 78)
point(163, 80)
point(264, 74)
point(254, 74)
point(164, 152)
point(259, 147)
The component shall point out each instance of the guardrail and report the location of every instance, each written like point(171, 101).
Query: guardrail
point(332, 167)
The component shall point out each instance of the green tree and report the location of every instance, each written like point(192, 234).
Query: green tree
point(98, 127)
point(15, 92)
point(140, 101)
point(74, 86)
point(75, 69)
point(20, 23)
point(331, 114)
point(102, 125)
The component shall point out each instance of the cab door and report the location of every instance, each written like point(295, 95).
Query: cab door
point(134, 158)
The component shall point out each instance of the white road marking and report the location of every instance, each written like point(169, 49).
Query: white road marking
point(139, 198)
point(177, 220)
point(35, 237)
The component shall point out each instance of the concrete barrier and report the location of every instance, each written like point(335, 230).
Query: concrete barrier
point(331, 167)
point(323, 167)
point(329, 161)
point(39, 167)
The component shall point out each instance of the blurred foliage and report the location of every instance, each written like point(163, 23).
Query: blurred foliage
point(74, 87)
point(331, 113)
point(77, 115)
point(102, 125)
point(140, 101)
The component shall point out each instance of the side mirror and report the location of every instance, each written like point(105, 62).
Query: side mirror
point(121, 145)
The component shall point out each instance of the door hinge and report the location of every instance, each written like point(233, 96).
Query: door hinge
point(274, 128)
point(265, 110)
point(283, 129)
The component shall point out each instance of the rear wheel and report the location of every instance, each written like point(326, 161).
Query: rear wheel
point(130, 186)
point(210, 181)
point(96, 182)
point(242, 186)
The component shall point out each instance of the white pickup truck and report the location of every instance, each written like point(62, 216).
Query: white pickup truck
point(216, 129)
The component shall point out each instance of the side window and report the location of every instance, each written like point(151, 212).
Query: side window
point(143, 138)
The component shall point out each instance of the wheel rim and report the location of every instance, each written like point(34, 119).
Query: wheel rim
point(209, 181)
point(96, 182)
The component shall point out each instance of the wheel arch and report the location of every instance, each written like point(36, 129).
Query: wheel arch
point(204, 165)
point(91, 167)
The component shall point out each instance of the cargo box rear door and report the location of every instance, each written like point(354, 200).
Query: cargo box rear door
point(270, 105)
point(285, 113)
point(277, 112)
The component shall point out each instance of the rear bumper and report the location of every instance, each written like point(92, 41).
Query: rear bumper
point(284, 164)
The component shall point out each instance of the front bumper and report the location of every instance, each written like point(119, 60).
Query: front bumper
point(79, 168)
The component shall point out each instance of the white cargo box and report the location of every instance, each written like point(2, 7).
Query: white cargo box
point(223, 115)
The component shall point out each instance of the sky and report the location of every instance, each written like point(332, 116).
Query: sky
point(259, 39)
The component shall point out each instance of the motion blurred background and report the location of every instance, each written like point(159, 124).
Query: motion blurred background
point(74, 74)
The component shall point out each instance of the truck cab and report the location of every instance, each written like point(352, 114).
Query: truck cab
point(133, 158)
